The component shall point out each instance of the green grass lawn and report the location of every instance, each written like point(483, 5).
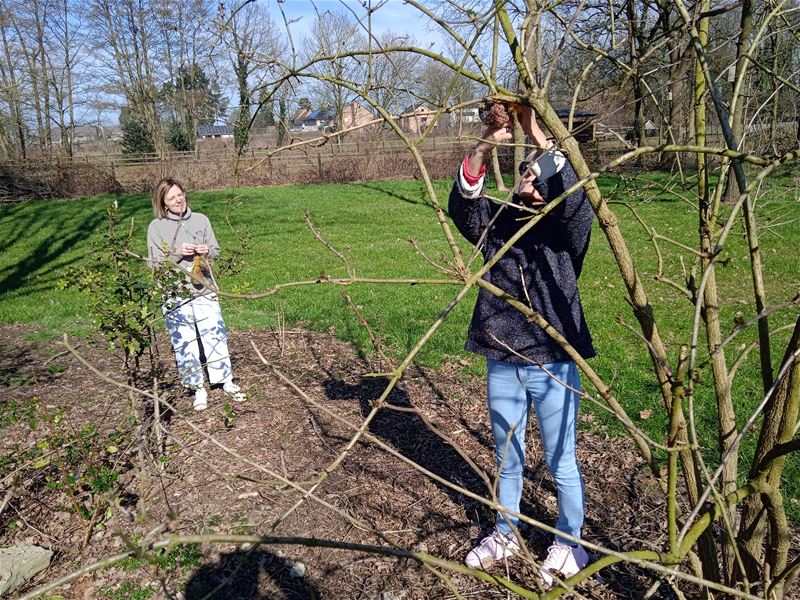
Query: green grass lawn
point(371, 223)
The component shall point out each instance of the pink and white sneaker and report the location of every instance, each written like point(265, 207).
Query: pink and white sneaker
point(562, 561)
point(495, 546)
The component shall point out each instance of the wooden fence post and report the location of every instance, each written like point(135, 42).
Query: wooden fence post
point(319, 163)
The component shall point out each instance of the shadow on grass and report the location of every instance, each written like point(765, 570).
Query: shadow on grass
point(39, 234)
point(388, 191)
point(246, 574)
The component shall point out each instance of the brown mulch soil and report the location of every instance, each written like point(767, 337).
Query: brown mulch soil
point(197, 487)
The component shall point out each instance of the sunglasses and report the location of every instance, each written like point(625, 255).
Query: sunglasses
point(526, 163)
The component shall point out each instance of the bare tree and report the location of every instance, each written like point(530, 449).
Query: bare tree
point(27, 24)
point(124, 36)
point(391, 73)
point(656, 37)
point(13, 82)
point(254, 46)
point(68, 41)
point(327, 48)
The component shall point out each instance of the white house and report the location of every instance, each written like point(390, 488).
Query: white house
point(207, 132)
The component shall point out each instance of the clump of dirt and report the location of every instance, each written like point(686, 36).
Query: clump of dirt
point(225, 471)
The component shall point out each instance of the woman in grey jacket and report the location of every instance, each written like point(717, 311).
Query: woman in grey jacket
point(526, 367)
point(191, 310)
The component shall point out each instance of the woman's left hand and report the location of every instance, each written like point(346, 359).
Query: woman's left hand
point(201, 249)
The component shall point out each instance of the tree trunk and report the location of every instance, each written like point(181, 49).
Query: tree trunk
point(241, 68)
point(639, 133)
point(45, 74)
point(780, 416)
point(738, 104)
point(533, 51)
point(70, 99)
point(726, 413)
point(13, 92)
point(634, 37)
point(776, 89)
point(498, 173)
point(679, 68)
point(34, 75)
point(708, 554)
point(145, 73)
point(282, 124)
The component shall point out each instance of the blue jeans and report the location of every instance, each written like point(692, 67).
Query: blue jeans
point(511, 390)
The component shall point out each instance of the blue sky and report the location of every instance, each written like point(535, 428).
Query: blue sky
point(392, 15)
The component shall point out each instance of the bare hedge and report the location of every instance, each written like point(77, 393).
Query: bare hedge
point(328, 164)
point(297, 166)
point(32, 180)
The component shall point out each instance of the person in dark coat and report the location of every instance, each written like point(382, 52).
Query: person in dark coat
point(526, 367)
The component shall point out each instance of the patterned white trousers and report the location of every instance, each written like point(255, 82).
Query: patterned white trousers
point(194, 323)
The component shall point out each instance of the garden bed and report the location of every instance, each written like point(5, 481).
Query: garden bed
point(198, 488)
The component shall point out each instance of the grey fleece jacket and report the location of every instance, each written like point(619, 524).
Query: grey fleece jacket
point(165, 237)
point(544, 265)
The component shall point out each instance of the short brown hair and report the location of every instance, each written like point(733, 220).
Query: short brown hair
point(160, 192)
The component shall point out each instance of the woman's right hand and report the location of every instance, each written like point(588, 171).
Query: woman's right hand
point(492, 136)
point(187, 249)
point(496, 134)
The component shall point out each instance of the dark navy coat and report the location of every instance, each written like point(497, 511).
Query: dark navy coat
point(546, 262)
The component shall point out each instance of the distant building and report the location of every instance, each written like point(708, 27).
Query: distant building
point(81, 134)
point(470, 115)
point(88, 134)
point(296, 120)
point(583, 123)
point(208, 132)
point(355, 114)
point(460, 116)
point(112, 133)
point(84, 134)
point(415, 118)
point(319, 120)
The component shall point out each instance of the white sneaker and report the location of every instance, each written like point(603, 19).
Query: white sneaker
point(562, 561)
point(234, 391)
point(495, 546)
point(200, 399)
